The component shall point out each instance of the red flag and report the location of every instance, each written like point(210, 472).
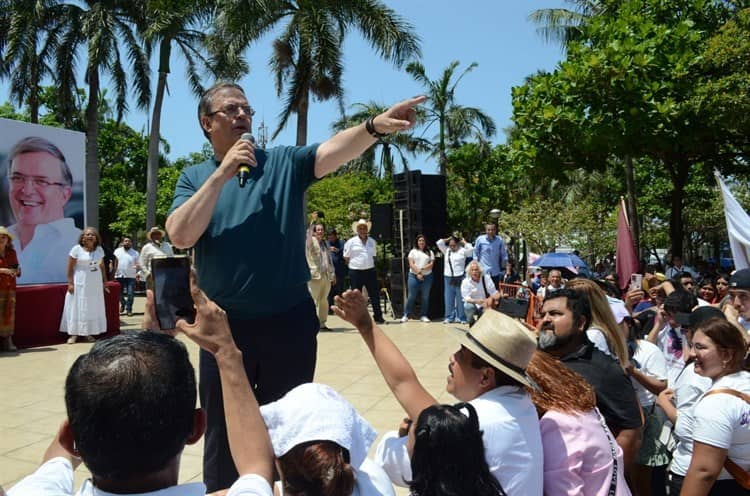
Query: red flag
point(626, 258)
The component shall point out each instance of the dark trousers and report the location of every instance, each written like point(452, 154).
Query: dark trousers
point(368, 279)
point(279, 354)
point(337, 288)
point(726, 487)
point(127, 287)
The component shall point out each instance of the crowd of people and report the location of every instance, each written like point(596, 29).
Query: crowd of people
point(607, 394)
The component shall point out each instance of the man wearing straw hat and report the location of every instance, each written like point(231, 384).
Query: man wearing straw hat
point(359, 255)
point(488, 371)
point(156, 247)
point(235, 209)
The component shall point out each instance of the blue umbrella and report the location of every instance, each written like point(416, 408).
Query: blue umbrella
point(560, 260)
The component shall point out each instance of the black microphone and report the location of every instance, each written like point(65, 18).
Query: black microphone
point(243, 172)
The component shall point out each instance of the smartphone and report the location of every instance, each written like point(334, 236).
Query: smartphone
point(514, 307)
point(172, 290)
point(635, 281)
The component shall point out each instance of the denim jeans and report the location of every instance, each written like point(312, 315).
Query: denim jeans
point(127, 286)
point(422, 287)
point(454, 304)
point(471, 310)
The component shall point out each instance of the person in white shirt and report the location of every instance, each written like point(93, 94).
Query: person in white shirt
point(455, 251)
point(667, 333)
point(321, 444)
point(722, 416)
point(359, 255)
point(128, 265)
point(488, 372)
point(679, 401)
point(478, 292)
point(156, 247)
point(130, 423)
point(421, 260)
point(41, 184)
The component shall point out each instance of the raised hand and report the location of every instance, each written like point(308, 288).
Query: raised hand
point(351, 306)
point(399, 117)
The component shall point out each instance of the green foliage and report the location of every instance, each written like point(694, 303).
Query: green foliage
point(346, 197)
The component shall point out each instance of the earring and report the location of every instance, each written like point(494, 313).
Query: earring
point(724, 364)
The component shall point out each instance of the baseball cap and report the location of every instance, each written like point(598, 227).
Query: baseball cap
point(698, 316)
point(740, 279)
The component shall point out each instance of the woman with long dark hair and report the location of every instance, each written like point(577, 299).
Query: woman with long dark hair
point(721, 437)
point(447, 454)
point(421, 260)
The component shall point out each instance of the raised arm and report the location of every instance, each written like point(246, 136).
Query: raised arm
point(397, 372)
point(248, 438)
point(351, 143)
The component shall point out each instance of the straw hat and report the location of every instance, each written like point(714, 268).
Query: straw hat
point(501, 341)
point(4, 230)
point(361, 222)
point(153, 231)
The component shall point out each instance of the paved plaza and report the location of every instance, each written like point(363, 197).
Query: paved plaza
point(32, 387)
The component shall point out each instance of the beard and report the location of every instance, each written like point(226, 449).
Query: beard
point(549, 341)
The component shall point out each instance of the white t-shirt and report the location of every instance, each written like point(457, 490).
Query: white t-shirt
point(474, 290)
point(652, 363)
point(674, 353)
point(597, 337)
point(55, 478)
point(421, 259)
point(688, 387)
point(723, 420)
point(45, 258)
point(512, 443)
point(454, 259)
point(361, 255)
point(126, 262)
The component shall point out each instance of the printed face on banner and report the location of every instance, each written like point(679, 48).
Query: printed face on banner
point(42, 196)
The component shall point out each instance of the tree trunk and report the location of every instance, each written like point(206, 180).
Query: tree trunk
point(152, 171)
point(92, 137)
point(632, 205)
point(33, 99)
point(304, 104)
point(442, 156)
point(679, 172)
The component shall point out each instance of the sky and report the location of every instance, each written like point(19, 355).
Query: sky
point(496, 34)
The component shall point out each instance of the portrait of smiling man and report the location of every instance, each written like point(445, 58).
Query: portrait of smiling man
point(40, 185)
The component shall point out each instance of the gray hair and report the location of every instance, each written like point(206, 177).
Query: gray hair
point(204, 105)
point(33, 144)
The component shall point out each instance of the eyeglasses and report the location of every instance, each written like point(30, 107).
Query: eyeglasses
point(233, 110)
point(17, 179)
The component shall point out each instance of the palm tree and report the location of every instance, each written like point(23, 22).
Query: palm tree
point(455, 122)
point(563, 26)
point(307, 56)
point(29, 33)
point(401, 143)
point(182, 25)
point(106, 27)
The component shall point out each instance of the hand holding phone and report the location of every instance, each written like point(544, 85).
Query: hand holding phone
point(636, 281)
point(172, 291)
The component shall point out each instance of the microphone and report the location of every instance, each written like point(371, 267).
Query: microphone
point(243, 172)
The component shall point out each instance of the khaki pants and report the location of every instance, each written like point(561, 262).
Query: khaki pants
point(319, 289)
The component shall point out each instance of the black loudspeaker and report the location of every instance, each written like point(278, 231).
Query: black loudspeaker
point(381, 215)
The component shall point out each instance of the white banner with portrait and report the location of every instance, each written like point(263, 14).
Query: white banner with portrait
point(43, 202)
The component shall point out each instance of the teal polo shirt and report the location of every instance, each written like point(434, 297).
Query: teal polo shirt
point(251, 258)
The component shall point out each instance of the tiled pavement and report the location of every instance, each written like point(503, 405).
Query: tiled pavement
point(32, 405)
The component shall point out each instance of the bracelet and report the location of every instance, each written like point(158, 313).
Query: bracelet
point(370, 127)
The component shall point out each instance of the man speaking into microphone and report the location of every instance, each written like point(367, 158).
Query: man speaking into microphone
point(250, 248)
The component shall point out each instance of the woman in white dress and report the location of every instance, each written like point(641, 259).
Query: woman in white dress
point(84, 313)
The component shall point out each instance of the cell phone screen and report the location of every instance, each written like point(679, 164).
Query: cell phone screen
point(635, 281)
point(172, 290)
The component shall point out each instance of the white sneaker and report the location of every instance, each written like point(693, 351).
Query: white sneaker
point(446, 322)
point(405, 318)
point(425, 319)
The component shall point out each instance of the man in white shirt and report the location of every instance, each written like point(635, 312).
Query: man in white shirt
point(156, 247)
point(129, 423)
point(478, 292)
point(128, 265)
point(488, 371)
point(41, 184)
point(359, 255)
